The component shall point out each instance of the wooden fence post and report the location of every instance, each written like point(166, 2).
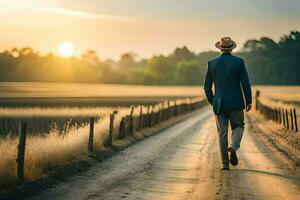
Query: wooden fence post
point(111, 128)
point(131, 121)
point(21, 150)
point(127, 126)
point(121, 128)
point(140, 118)
point(192, 104)
point(292, 119)
point(164, 111)
point(168, 110)
point(287, 119)
point(256, 99)
point(91, 135)
point(295, 118)
point(151, 116)
point(159, 114)
point(176, 110)
point(279, 116)
point(283, 117)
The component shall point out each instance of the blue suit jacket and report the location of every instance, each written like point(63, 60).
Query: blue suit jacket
point(230, 78)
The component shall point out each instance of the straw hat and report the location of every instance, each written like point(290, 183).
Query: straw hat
point(226, 44)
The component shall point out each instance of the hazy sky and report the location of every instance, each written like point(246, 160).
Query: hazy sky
point(146, 27)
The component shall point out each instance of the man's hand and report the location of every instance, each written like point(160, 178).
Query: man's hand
point(248, 107)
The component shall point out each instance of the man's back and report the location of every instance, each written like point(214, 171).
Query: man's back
point(229, 76)
point(227, 73)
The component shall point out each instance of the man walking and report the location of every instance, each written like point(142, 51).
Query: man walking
point(232, 94)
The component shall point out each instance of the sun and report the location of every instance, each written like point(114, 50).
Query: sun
point(66, 49)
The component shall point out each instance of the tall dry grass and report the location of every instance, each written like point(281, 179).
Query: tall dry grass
point(46, 151)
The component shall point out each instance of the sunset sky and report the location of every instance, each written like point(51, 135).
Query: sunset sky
point(146, 27)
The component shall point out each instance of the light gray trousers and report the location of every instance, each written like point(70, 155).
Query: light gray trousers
point(236, 119)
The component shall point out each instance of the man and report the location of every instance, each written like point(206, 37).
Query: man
point(232, 94)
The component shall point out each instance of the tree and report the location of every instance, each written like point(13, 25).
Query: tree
point(271, 62)
point(91, 57)
point(189, 73)
point(127, 60)
point(182, 54)
point(159, 70)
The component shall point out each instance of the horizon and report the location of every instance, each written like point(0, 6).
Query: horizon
point(114, 28)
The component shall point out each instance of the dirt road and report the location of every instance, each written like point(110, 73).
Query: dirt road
point(183, 162)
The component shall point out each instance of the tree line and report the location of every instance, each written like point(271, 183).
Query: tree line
point(268, 62)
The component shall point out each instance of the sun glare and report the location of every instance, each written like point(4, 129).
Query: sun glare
point(66, 49)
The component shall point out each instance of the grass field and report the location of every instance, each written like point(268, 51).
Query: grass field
point(86, 95)
point(51, 90)
point(287, 94)
point(70, 92)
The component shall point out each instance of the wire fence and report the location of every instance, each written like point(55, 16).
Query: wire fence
point(284, 115)
point(129, 124)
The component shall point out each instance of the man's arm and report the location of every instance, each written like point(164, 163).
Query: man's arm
point(208, 85)
point(246, 86)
